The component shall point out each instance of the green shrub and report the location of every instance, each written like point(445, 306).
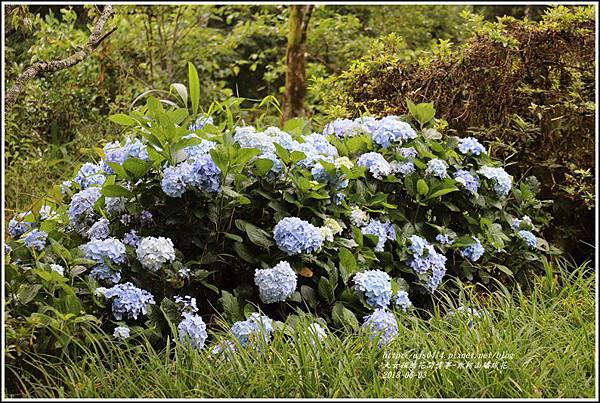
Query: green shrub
point(527, 87)
point(202, 202)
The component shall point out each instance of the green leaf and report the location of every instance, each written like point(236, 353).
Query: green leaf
point(122, 119)
point(118, 168)
point(343, 317)
point(231, 306)
point(325, 290)
point(422, 112)
point(309, 294)
point(181, 91)
point(116, 191)
point(263, 166)
point(194, 84)
point(137, 167)
point(422, 187)
point(442, 192)
point(60, 250)
point(28, 292)
point(295, 126)
point(348, 261)
point(256, 235)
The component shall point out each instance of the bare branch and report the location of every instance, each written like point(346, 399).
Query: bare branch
point(39, 68)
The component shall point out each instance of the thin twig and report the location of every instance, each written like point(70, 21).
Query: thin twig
point(40, 68)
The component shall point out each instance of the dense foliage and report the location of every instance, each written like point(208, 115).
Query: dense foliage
point(525, 86)
point(196, 215)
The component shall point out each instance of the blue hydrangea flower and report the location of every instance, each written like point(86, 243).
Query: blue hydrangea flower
point(294, 236)
point(444, 239)
point(463, 313)
point(7, 249)
point(99, 230)
point(427, 260)
point(153, 252)
point(129, 301)
point(503, 181)
point(121, 332)
point(383, 230)
point(198, 150)
point(66, 186)
point(146, 218)
point(203, 174)
point(247, 331)
point(275, 284)
point(114, 204)
point(111, 248)
point(529, 238)
point(82, 205)
point(187, 303)
point(192, 329)
point(358, 217)
point(200, 123)
point(382, 324)
point(470, 182)
point(321, 144)
point(473, 252)
point(403, 168)
point(47, 213)
point(223, 349)
point(89, 174)
point(524, 223)
point(57, 268)
point(18, 226)
point(392, 130)
point(35, 239)
point(374, 286)
point(470, 145)
point(401, 299)
point(437, 167)
point(408, 152)
point(173, 183)
point(341, 128)
point(113, 152)
point(316, 331)
point(136, 149)
point(102, 272)
point(248, 137)
point(131, 238)
point(376, 164)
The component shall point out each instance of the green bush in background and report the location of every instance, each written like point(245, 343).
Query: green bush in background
point(527, 86)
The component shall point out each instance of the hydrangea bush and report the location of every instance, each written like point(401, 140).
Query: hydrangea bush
point(194, 216)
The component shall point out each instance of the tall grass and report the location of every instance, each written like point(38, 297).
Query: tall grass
point(548, 333)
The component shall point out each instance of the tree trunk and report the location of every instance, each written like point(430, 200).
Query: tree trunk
point(295, 78)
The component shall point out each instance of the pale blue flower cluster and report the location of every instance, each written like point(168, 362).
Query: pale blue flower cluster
point(114, 204)
point(381, 324)
point(81, 207)
point(401, 299)
point(321, 144)
point(57, 268)
point(524, 223)
point(473, 252)
point(316, 331)
point(294, 236)
point(200, 123)
point(146, 218)
point(103, 272)
point(89, 174)
point(391, 129)
point(187, 303)
point(35, 239)
point(383, 230)
point(437, 167)
point(121, 332)
point(374, 286)
point(129, 301)
point(111, 248)
point(201, 173)
point(99, 230)
point(470, 182)
point(342, 128)
point(470, 145)
point(223, 349)
point(131, 238)
point(503, 181)
point(403, 168)
point(408, 152)
point(115, 153)
point(275, 284)
point(376, 164)
point(192, 329)
point(198, 150)
point(444, 239)
point(18, 226)
point(47, 213)
point(427, 260)
point(529, 238)
point(248, 330)
point(66, 186)
point(154, 252)
point(464, 313)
